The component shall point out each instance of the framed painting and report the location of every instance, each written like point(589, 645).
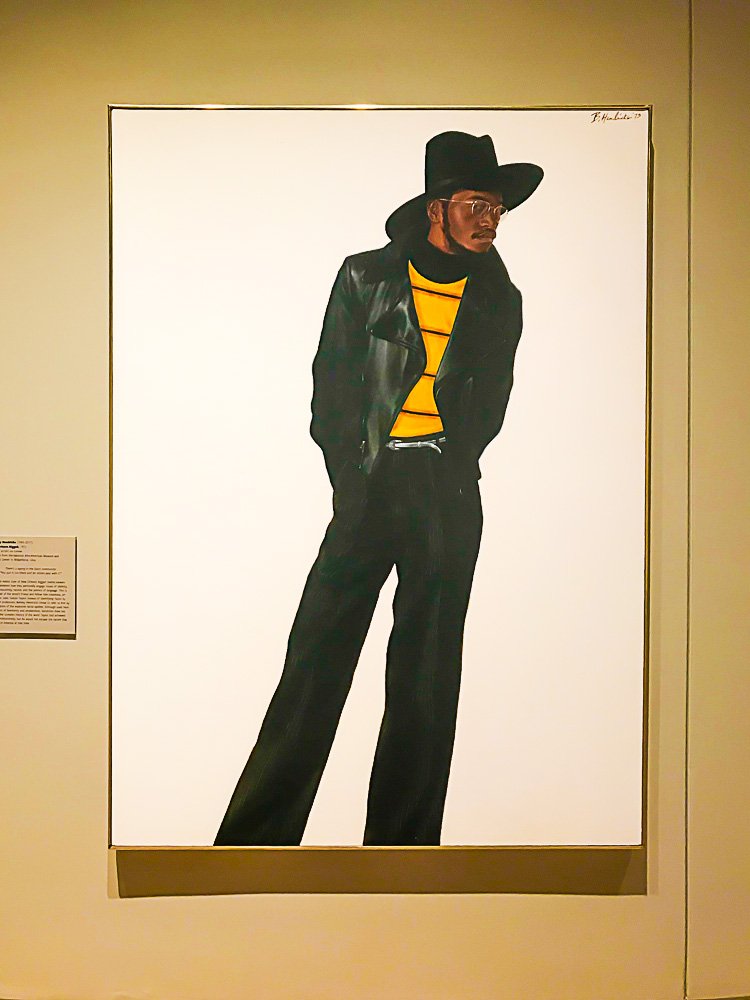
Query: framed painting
point(379, 476)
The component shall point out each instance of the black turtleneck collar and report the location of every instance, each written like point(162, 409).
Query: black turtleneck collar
point(439, 266)
point(390, 261)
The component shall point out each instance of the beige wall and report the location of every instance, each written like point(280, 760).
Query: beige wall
point(65, 931)
point(719, 724)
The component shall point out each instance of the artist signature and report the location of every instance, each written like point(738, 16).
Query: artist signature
point(618, 116)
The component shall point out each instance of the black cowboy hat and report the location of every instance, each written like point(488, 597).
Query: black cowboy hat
point(455, 160)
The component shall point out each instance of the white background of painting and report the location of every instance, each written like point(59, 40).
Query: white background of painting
point(228, 228)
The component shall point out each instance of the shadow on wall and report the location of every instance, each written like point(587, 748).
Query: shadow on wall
point(603, 871)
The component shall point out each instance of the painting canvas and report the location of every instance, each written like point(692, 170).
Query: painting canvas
point(379, 476)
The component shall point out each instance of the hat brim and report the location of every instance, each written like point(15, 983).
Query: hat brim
point(514, 181)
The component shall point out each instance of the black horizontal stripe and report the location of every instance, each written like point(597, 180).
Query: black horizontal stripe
point(429, 374)
point(431, 291)
point(439, 333)
point(420, 413)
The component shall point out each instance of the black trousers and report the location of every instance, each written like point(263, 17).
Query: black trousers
point(415, 512)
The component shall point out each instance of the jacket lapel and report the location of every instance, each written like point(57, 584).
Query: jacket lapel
point(392, 306)
point(472, 334)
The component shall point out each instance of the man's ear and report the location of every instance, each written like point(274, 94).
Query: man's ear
point(433, 210)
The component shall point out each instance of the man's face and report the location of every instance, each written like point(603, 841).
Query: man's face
point(459, 224)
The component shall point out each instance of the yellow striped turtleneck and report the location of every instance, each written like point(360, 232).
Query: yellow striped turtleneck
point(436, 304)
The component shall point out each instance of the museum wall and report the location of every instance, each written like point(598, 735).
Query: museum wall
point(66, 929)
point(719, 733)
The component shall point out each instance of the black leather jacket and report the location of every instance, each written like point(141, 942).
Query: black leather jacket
point(371, 354)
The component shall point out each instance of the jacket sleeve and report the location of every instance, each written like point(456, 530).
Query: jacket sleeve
point(337, 376)
point(493, 385)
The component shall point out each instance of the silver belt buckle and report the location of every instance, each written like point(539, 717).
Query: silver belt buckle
point(435, 445)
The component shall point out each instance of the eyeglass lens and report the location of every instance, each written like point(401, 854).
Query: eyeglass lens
point(480, 208)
